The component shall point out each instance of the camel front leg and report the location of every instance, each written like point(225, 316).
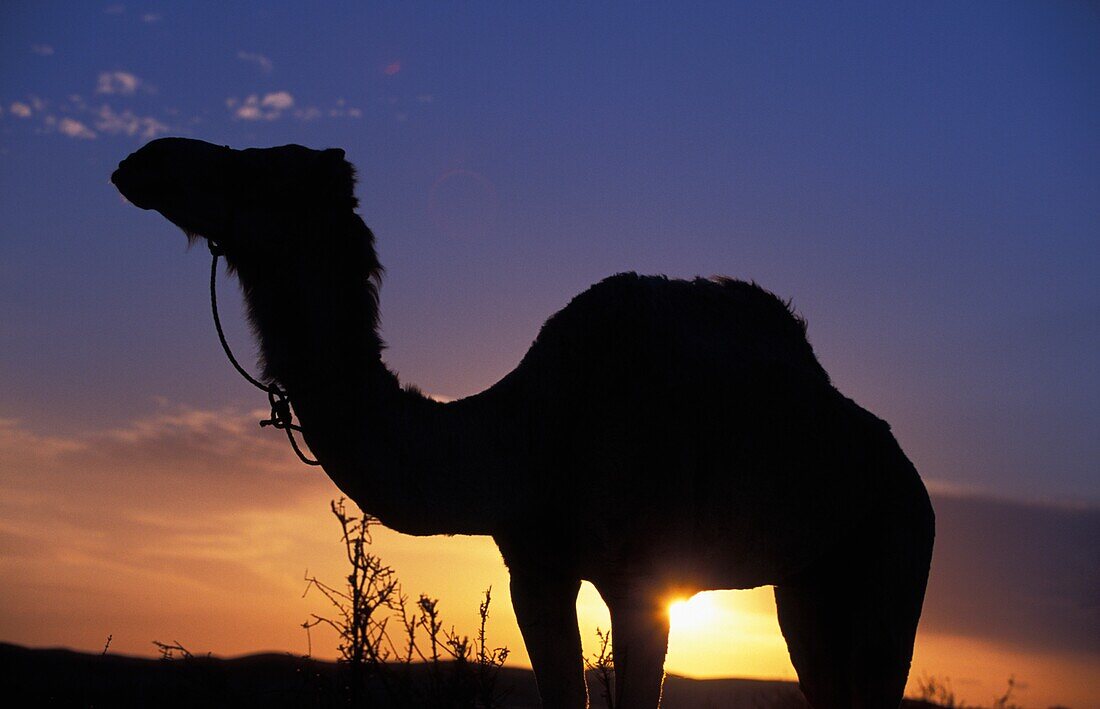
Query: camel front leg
point(546, 608)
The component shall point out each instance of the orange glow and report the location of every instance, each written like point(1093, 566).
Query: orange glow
point(195, 526)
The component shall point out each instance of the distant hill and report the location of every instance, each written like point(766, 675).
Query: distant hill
point(65, 678)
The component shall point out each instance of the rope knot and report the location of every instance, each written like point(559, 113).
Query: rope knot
point(281, 416)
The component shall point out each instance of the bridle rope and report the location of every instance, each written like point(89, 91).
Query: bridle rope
point(282, 415)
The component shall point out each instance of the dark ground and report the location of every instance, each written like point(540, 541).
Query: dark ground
point(64, 678)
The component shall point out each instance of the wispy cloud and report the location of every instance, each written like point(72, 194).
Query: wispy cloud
point(220, 455)
point(309, 113)
point(42, 50)
point(279, 101)
point(73, 117)
point(120, 83)
point(126, 122)
point(115, 9)
point(342, 110)
point(151, 17)
point(173, 506)
point(255, 108)
point(74, 129)
point(256, 58)
point(89, 118)
point(1039, 560)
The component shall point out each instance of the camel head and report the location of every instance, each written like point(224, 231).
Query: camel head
point(228, 195)
point(285, 220)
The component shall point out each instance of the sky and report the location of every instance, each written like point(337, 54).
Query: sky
point(922, 180)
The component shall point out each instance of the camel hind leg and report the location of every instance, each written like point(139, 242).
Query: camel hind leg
point(850, 627)
point(639, 630)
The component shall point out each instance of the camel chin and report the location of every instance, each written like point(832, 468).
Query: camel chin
point(134, 187)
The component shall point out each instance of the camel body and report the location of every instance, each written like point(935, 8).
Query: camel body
point(661, 437)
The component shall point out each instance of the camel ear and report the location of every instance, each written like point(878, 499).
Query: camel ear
point(335, 177)
point(333, 161)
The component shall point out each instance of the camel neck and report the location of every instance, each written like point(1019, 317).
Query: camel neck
point(418, 465)
point(421, 466)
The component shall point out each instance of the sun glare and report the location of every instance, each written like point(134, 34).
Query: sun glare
point(697, 612)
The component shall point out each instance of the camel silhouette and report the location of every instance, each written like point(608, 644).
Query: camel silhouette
point(661, 437)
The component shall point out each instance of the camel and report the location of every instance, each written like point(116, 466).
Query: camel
point(661, 437)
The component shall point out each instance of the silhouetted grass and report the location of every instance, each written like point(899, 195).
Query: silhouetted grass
point(462, 671)
point(601, 668)
point(939, 692)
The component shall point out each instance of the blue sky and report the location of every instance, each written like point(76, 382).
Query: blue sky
point(923, 180)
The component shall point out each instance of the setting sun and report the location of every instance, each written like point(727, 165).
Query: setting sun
point(695, 613)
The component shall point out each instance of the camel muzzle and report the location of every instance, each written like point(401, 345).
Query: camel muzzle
point(136, 185)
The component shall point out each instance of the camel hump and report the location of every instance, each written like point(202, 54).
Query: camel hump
point(701, 325)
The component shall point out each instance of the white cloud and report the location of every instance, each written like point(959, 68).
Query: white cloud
point(253, 108)
point(249, 112)
point(73, 117)
point(116, 9)
point(128, 123)
point(274, 105)
point(43, 50)
point(74, 129)
point(256, 58)
point(280, 101)
point(150, 17)
point(117, 82)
